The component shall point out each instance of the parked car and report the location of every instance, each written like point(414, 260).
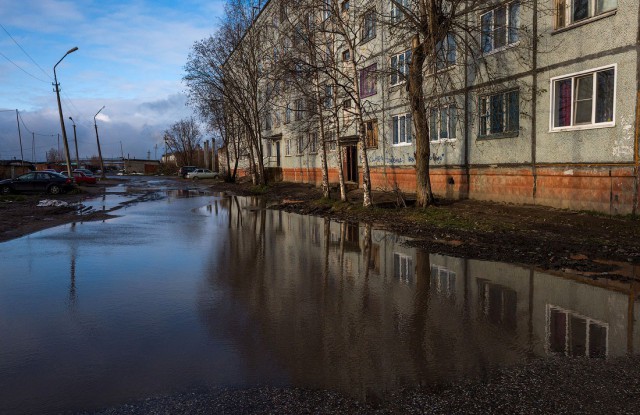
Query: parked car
point(184, 170)
point(39, 181)
point(202, 174)
point(86, 172)
point(82, 178)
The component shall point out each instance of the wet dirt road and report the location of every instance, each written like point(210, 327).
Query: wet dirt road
point(190, 290)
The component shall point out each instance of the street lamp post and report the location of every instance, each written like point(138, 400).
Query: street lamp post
point(75, 140)
point(64, 131)
point(98, 140)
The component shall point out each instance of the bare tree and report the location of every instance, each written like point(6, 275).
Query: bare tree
point(183, 139)
point(438, 30)
point(226, 73)
point(54, 156)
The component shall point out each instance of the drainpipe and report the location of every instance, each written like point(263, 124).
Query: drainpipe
point(534, 101)
point(636, 170)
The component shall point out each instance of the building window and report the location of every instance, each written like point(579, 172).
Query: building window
point(403, 267)
point(499, 27)
point(326, 9)
point(442, 123)
point(402, 129)
point(268, 124)
point(331, 139)
point(300, 145)
point(568, 12)
point(400, 67)
point(371, 133)
point(396, 12)
point(446, 52)
point(287, 113)
point(368, 81)
point(328, 96)
point(444, 281)
point(498, 304)
point(268, 148)
point(277, 119)
point(571, 334)
point(369, 25)
point(585, 99)
point(499, 113)
point(287, 149)
point(313, 142)
point(344, 6)
point(299, 114)
point(346, 55)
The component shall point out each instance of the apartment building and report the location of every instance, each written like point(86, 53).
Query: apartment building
point(534, 103)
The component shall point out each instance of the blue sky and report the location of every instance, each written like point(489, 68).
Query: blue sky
point(130, 59)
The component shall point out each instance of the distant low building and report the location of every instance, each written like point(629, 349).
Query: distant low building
point(12, 168)
point(141, 166)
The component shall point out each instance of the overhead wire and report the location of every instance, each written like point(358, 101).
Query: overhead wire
point(22, 69)
point(25, 52)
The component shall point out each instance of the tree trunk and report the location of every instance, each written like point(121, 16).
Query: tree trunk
point(366, 176)
point(424, 193)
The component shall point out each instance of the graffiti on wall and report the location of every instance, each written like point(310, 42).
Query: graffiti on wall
point(404, 159)
point(623, 144)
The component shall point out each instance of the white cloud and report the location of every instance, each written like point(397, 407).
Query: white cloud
point(130, 59)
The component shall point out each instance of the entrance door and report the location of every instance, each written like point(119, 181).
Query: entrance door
point(277, 153)
point(352, 163)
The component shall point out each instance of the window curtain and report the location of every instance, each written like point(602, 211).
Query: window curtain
point(563, 103)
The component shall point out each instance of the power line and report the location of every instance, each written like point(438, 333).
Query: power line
point(23, 70)
point(31, 132)
point(25, 52)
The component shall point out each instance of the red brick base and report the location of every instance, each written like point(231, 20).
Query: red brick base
point(605, 189)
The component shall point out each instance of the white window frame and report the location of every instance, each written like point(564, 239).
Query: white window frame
point(438, 124)
point(568, 8)
point(299, 110)
point(313, 142)
point(400, 71)
point(404, 270)
point(300, 145)
point(573, 76)
point(396, 12)
point(507, 28)
point(569, 313)
point(368, 25)
point(450, 45)
point(396, 130)
point(328, 96)
point(505, 111)
point(287, 147)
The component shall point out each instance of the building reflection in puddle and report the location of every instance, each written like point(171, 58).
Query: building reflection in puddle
point(344, 306)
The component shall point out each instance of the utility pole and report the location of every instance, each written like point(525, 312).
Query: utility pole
point(155, 155)
point(33, 147)
point(64, 131)
point(20, 138)
point(75, 139)
point(98, 140)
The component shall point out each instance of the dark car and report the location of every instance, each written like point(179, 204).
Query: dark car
point(37, 181)
point(184, 170)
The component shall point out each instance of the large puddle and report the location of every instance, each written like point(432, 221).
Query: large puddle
point(192, 290)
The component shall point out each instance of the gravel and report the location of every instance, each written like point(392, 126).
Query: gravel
point(543, 386)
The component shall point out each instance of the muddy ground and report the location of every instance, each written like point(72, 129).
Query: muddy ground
point(586, 243)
